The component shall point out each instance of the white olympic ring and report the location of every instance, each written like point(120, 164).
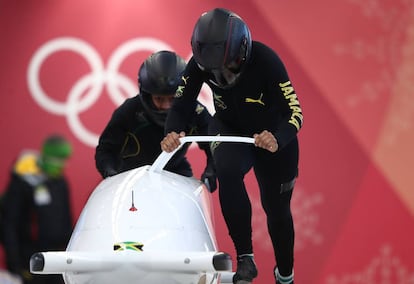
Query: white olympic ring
point(86, 91)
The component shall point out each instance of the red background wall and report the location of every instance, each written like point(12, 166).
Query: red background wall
point(351, 63)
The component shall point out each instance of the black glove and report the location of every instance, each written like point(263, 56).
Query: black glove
point(209, 178)
point(109, 171)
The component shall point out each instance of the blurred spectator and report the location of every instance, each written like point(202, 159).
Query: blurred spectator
point(36, 213)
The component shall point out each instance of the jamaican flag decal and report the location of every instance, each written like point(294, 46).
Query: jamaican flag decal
point(128, 245)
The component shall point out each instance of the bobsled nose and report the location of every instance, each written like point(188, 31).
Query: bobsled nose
point(37, 262)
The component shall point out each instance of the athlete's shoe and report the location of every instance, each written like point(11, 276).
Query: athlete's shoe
point(246, 270)
point(281, 279)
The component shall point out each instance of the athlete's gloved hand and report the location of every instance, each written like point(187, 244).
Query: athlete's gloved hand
point(209, 178)
point(109, 171)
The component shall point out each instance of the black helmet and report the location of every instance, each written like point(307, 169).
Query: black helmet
point(159, 74)
point(221, 44)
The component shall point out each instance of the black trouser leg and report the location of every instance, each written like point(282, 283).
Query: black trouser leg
point(232, 163)
point(271, 172)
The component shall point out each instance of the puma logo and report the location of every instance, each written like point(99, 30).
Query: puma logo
point(259, 100)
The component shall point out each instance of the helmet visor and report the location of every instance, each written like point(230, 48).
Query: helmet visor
point(226, 76)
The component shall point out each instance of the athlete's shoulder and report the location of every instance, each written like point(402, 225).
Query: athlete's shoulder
point(192, 64)
point(262, 51)
point(192, 71)
point(266, 59)
point(130, 105)
point(261, 46)
point(131, 102)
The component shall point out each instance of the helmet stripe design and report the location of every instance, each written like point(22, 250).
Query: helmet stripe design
point(226, 51)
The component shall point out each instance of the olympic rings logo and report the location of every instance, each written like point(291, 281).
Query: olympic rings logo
point(87, 90)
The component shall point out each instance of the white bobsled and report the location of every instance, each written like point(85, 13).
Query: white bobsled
point(146, 225)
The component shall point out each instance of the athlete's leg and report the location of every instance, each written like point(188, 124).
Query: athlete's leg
point(275, 175)
point(233, 161)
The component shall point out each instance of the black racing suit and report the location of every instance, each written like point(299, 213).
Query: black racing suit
point(36, 217)
point(132, 139)
point(262, 99)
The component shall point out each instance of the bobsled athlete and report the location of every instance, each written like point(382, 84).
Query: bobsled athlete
point(253, 97)
point(132, 136)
